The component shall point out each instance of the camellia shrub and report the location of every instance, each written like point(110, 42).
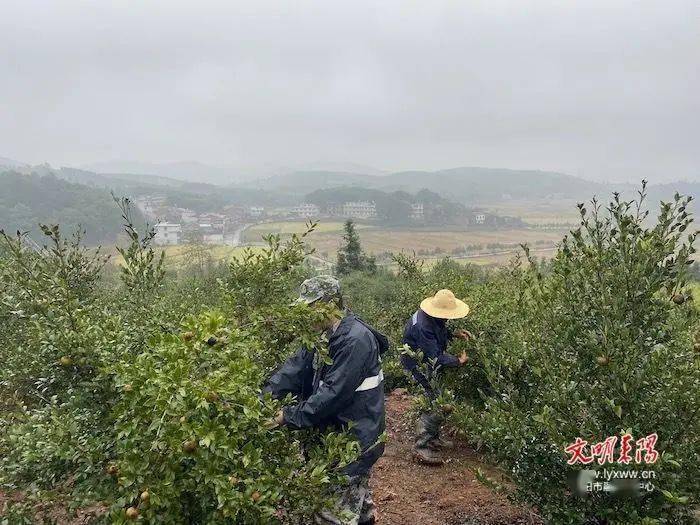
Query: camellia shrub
point(126, 399)
point(195, 444)
point(599, 344)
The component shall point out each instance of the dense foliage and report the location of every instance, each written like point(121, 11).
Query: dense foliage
point(127, 397)
point(601, 341)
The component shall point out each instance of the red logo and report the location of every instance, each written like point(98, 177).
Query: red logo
point(604, 451)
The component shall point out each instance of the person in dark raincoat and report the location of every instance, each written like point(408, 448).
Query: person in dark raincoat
point(350, 390)
point(427, 331)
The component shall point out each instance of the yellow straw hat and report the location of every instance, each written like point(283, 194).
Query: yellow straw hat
point(444, 305)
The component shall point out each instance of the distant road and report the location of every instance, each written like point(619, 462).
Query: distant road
point(503, 252)
point(237, 236)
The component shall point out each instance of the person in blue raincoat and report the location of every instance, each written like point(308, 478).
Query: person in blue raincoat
point(350, 390)
point(427, 331)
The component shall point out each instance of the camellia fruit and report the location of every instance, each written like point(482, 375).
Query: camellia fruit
point(128, 388)
point(602, 360)
point(255, 496)
point(678, 298)
point(189, 446)
point(447, 408)
point(112, 470)
point(187, 336)
point(66, 361)
point(145, 496)
point(132, 513)
point(232, 480)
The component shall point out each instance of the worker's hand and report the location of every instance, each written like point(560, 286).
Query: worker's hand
point(463, 358)
point(464, 334)
point(277, 421)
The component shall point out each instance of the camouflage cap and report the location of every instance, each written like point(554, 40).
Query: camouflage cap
point(319, 288)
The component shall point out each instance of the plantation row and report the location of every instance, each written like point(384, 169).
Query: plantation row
point(140, 395)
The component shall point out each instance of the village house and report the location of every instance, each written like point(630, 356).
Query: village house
point(256, 211)
point(354, 210)
point(417, 211)
point(306, 210)
point(167, 233)
point(187, 216)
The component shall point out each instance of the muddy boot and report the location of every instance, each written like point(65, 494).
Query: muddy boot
point(440, 443)
point(428, 428)
point(426, 456)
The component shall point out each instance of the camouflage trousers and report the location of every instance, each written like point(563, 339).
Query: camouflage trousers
point(428, 428)
point(354, 507)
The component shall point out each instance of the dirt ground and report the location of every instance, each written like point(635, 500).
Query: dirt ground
point(407, 493)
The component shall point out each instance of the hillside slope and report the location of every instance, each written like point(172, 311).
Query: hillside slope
point(467, 185)
point(27, 200)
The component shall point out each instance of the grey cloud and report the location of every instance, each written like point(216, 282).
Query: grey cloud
point(607, 90)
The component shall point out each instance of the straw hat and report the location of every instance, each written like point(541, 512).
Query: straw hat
point(444, 305)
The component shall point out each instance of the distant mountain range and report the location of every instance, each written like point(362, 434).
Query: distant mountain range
point(464, 185)
point(183, 171)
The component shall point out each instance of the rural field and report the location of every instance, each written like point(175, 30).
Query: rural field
point(254, 233)
point(426, 243)
point(184, 256)
point(538, 213)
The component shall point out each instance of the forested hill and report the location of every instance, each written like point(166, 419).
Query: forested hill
point(468, 185)
point(392, 207)
point(474, 185)
point(27, 200)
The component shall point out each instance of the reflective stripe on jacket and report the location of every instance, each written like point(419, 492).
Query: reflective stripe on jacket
point(351, 389)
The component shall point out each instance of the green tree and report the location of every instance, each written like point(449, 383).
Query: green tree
point(351, 257)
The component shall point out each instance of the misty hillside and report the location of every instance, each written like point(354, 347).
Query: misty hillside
point(7, 164)
point(466, 185)
point(182, 171)
point(28, 200)
point(301, 182)
point(115, 181)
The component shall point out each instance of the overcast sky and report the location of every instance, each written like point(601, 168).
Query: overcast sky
point(606, 90)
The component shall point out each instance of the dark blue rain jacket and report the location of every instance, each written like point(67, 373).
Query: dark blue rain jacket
point(351, 389)
point(430, 335)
